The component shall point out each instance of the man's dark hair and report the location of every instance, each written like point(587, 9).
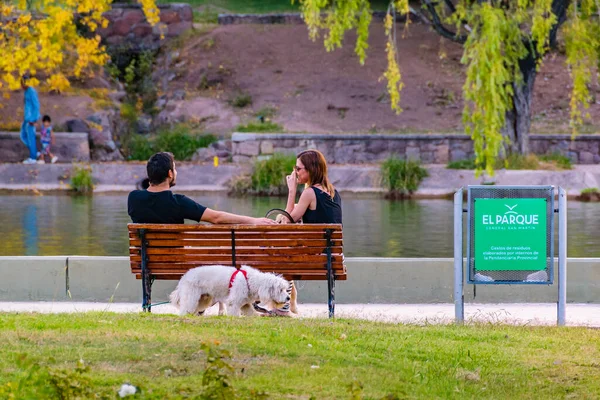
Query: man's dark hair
point(46, 118)
point(158, 167)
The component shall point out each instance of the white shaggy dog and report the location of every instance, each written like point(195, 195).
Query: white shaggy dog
point(202, 287)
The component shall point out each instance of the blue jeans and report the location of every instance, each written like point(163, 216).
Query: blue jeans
point(28, 138)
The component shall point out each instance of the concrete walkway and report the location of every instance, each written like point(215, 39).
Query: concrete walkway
point(514, 313)
point(364, 178)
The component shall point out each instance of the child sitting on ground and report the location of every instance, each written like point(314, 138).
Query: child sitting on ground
point(47, 139)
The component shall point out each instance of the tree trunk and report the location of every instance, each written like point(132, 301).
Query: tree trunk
point(518, 120)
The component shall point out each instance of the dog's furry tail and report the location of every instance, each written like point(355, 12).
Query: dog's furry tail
point(174, 297)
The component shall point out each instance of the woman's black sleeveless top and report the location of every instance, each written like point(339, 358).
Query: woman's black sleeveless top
point(328, 211)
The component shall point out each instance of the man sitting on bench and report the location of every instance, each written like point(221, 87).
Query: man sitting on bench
point(159, 205)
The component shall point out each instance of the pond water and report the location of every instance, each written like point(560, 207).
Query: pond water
point(373, 227)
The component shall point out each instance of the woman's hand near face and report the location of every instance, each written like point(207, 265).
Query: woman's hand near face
point(292, 181)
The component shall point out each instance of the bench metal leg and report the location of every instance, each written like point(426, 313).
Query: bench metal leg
point(146, 279)
point(330, 276)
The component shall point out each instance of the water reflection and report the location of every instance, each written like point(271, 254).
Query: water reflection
point(61, 225)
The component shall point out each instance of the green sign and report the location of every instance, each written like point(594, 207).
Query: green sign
point(510, 234)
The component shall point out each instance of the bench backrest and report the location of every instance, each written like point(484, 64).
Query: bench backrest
point(297, 251)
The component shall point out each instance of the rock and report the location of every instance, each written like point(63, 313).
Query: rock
point(179, 95)
point(178, 28)
point(215, 116)
point(118, 95)
point(249, 148)
point(585, 157)
point(142, 30)
point(266, 147)
point(143, 124)
point(100, 154)
point(161, 102)
point(204, 154)
point(160, 29)
point(77, 125)
point(169, 16)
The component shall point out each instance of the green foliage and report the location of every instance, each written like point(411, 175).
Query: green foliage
point(561, 161)
point(468, 163)
point(206, 16)
point(134, 69)
point(81, 179)
point(582, 45)
point(129, 113)
point(266, 126)
point(518, 161)
point(268, 176)
point(178, 140)
point(241, 100)
point(37, 381)
point(138, 147)
point(590, 190)
point(499, 35)
point(266, 112)
point(401, 177)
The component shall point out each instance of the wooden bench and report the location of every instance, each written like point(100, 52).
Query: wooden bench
point(296, 251)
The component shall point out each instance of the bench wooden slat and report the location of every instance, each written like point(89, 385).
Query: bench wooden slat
point(240, 258)
point(226, 251)
point(223, 227)
point(184, 267)
point(286, 275)
point(243, 242)
point(238, 235)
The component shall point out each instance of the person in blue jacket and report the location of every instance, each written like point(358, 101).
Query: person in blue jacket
point(31, 114)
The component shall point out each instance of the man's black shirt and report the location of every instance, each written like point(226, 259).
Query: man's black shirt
point(162, 207)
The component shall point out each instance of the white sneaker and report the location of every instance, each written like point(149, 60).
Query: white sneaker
point(482, 278)
point(30, 161)
point(54, 159)
point(41, 162)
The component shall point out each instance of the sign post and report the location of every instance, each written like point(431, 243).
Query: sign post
point(510, 239)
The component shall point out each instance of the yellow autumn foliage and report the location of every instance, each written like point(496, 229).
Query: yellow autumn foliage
point(42, 37)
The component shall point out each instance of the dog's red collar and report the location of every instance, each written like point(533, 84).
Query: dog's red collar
point(234, 274)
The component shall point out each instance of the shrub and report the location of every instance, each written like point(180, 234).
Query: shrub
point(590, 190)
point(40, 382)
point(518, 161)
point(268, 176)
point(180, 142)
point(177, 140)
point(81, 179)
point(138, 147)
point(266, 126)
point(241, 100)
point(469, 163)
point(401, 177)
point(558, 159)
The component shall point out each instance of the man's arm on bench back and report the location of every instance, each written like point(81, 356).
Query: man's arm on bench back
point(221, 217)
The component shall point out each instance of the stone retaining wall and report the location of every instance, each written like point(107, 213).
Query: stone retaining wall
point(68, 147)
point(127, 24)
point(427, 148)
point(285, 18)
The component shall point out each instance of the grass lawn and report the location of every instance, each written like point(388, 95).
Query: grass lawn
point(295, 359)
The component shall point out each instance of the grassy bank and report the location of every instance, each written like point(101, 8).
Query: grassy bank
point(300, 359)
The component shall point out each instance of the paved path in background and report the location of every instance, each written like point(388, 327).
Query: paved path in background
point(122, 177)
point(514, 313)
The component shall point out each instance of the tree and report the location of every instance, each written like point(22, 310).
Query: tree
point(504, 43)
point(54, 39)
